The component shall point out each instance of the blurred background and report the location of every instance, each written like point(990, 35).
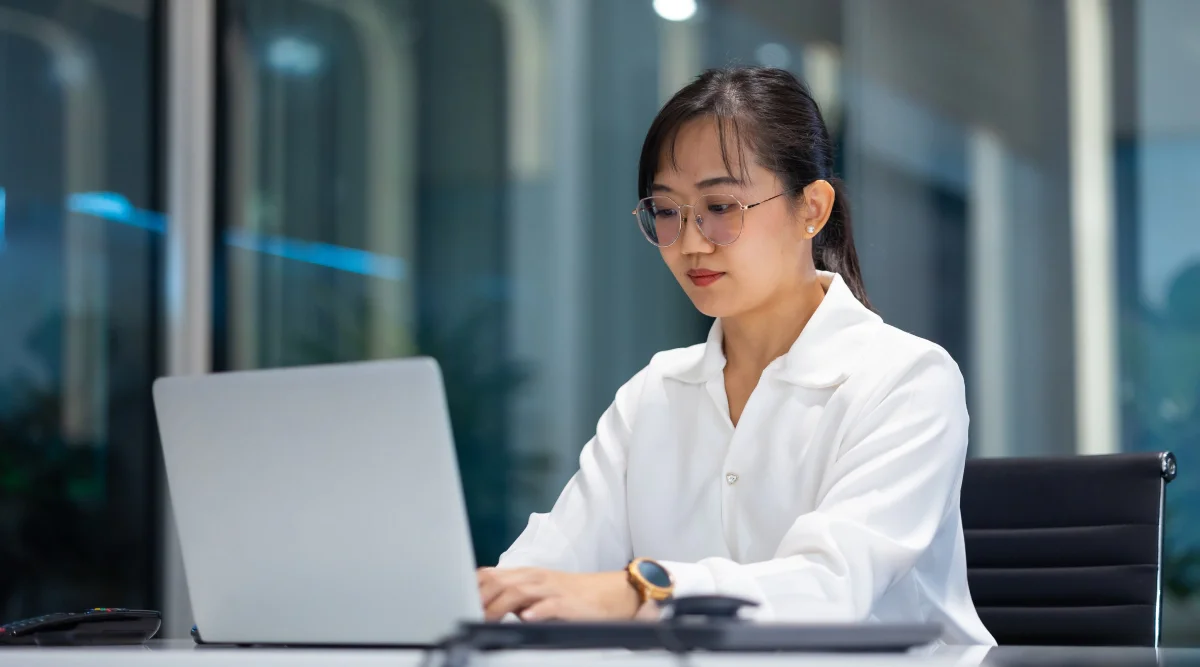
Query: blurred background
point(193, 185)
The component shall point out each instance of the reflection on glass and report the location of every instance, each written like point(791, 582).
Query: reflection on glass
point(76, 290)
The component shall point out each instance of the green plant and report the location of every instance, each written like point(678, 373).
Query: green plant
point(54, 523)
point(1181, 573)
point(1161, 354)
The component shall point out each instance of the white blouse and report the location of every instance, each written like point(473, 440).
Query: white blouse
point(834, 499)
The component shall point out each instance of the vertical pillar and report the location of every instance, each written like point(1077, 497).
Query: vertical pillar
point(1097, 410)
point(188, 300)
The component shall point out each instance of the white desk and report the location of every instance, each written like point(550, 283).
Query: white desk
point(182, 653)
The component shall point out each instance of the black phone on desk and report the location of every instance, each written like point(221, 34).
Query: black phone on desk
point(99, 626)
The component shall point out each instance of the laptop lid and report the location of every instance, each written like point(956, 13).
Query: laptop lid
point(319, 505)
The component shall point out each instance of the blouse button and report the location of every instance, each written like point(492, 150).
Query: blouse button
point(731, 478)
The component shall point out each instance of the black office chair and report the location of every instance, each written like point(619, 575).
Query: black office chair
point(1067, 551)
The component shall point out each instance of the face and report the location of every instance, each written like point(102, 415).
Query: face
point(773, 254)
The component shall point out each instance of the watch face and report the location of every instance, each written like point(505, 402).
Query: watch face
point(654, 573)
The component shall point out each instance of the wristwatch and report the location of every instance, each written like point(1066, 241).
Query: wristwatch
point(650, 580)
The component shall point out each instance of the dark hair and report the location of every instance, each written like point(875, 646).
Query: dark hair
point(776, 114)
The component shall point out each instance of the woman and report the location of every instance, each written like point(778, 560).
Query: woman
point(808, 457)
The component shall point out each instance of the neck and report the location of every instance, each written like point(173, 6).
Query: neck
point(754, 339)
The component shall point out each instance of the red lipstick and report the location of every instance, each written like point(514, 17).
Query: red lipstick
point(704, 277)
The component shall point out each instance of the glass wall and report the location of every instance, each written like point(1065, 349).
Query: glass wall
point(1158, 179)
point(78, 258)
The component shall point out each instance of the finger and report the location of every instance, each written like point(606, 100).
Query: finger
point(489, 585)
point(511, 600)
point(492, 584)
point(485, 574)
point(546, 609)
point(509, 574)
point(514, 599)
point(489, 591)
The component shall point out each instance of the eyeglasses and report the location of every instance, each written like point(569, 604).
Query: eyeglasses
point(718, 217)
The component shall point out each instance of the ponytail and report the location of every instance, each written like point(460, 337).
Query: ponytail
point(833, 247)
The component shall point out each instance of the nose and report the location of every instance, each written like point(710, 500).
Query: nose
point(692, 241)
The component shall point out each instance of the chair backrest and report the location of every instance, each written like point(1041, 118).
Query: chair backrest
point(1067, 551)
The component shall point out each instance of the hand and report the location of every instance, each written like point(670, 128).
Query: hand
point(538, 594)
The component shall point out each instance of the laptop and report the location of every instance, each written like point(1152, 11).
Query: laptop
point(319, 505)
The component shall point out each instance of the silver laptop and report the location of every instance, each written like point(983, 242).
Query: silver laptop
point(319, 505)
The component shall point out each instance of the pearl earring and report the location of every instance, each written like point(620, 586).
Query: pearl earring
point(811, 229)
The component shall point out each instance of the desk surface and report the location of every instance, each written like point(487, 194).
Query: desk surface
point(184, 653)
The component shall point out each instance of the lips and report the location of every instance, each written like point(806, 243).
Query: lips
point(704, 277)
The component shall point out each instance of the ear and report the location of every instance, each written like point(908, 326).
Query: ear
point(816, 207)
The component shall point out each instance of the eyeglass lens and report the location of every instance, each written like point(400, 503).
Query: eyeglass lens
point(719, 218)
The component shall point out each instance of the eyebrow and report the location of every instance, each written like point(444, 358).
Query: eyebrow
point(702, 185)
point(719, 180)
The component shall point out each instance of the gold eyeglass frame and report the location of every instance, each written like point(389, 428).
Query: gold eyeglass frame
point(698, 219)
